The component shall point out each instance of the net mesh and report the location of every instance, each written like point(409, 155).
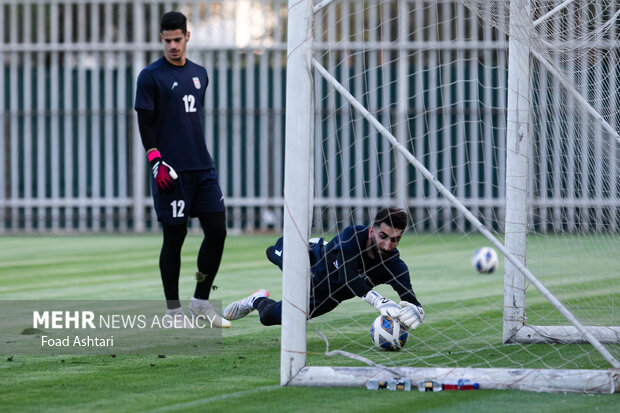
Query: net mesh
point(434, 74)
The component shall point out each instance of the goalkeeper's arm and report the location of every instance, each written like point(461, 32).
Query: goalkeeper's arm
point(146, 124)
point(163, 173)
point(348, 273)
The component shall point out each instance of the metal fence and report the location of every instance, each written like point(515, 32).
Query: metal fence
point(70, 154)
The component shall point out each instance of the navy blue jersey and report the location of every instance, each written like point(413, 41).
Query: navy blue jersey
point(341, 269)
point(176, 95)
point(350, 272)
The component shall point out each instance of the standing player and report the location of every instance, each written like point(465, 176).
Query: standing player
point(351, 264)
point(169, 101)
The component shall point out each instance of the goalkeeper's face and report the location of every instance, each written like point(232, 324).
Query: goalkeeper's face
point(383, 239)
point(175, 45)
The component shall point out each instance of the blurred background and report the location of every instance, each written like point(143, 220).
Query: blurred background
point(71, 159)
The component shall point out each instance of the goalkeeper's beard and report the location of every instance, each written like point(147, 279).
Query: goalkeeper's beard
point(377, 252)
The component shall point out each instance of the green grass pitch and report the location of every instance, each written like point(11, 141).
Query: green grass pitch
point(245, 375)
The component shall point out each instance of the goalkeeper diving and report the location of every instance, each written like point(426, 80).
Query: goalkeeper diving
point(350, 265)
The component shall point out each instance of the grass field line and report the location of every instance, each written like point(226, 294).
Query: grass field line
point(200, 402)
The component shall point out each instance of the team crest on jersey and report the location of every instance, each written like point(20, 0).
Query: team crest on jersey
point(196, 82)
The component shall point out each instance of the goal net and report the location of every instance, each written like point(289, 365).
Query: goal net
point(492, 123)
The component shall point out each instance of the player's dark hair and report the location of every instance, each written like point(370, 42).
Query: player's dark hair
point(173, 20)
point(394, 217)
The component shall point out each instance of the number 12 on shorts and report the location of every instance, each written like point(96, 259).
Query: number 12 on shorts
point(177, 208)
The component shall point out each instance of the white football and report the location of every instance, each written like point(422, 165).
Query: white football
point(485, 260)
point(388, 334)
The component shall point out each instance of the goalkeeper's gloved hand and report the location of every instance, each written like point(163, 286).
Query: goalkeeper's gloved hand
point(386, 306)
point(411, 315)
point(163, 173)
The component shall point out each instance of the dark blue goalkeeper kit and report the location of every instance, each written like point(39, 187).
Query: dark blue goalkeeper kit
point(341, 269)
point(176, 95)
point(170, 106)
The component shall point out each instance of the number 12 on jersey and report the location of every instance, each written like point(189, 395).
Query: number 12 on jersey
point(190, 103)
point(178, 207)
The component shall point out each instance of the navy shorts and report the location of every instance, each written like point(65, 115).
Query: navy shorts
point(196, 192)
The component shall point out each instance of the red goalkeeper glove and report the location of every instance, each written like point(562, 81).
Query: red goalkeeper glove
point(163, 173)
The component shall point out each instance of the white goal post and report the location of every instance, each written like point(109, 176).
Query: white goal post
point(517, 171)
point(302, 67)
